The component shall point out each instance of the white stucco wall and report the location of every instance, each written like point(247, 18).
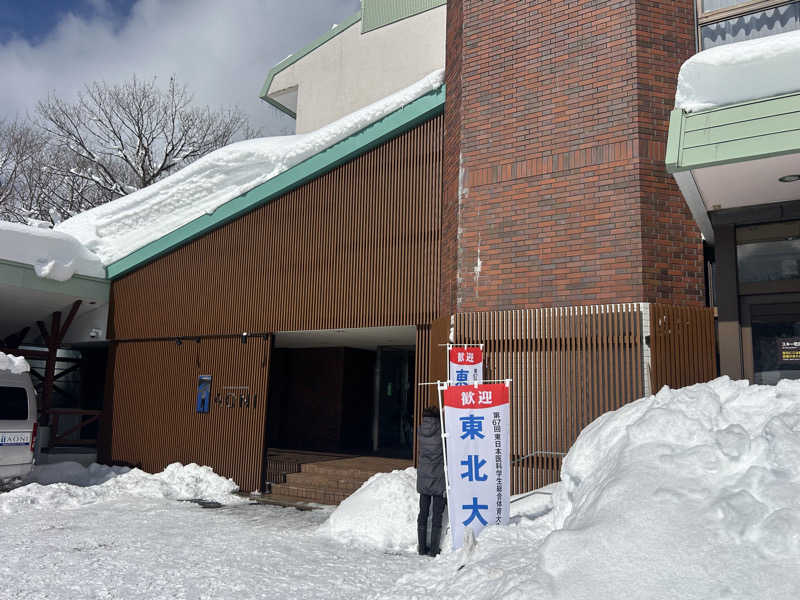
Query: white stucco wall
point(353, 70)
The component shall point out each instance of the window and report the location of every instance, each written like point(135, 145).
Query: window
point(768, 257)
point(13, 404)
point(727, 21)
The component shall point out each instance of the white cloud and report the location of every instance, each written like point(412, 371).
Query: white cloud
point(221, 49)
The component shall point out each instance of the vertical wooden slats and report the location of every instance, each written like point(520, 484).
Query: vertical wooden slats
point(356, 247)
point(424, 395)
point(155, 418)
point(682, 345)
point(568, 366)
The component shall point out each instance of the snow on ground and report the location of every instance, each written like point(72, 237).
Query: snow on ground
point(691, 493)
point(14, 364)
point(73, 473)
point(53, 254)
point(147, 546)
point(176, 482)
point(747, 70)
point(118, 228)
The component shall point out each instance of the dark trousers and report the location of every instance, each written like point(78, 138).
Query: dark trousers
point(424, 508)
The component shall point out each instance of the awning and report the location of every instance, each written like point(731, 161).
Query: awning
point(736, 156)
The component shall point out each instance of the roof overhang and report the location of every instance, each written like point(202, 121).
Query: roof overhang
point(374, 15)
point(26, 298)
point(286, 100)
point(733, 156)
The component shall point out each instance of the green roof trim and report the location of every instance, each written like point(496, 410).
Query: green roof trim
point(420, 110)
point(379, 13)
point(290, 60)
point(732, 134)
point(80, 286)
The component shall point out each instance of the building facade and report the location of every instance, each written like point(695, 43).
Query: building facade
point(735, 152)
point(523, 205)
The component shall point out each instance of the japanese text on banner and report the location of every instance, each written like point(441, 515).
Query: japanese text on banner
point(465, 365)
point(476, 421)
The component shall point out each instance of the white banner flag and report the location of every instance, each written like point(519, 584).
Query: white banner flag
point(466, 364)
point(477, 425)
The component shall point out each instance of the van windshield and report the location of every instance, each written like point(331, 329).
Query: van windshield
point(13, 404)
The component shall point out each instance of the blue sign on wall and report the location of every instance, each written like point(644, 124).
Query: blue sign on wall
point(203, 393)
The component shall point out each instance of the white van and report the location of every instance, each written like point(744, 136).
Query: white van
point(18, 424)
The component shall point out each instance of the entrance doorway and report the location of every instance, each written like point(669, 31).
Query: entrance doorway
point(343, 391)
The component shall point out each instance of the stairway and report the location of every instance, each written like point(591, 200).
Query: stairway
point(331, 481)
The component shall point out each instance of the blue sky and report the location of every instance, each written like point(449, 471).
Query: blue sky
point(222, 49)
point(34, 19)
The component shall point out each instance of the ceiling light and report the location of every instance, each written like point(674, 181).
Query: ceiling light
point(789, 178)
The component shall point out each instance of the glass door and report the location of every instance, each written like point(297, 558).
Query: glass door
point(771, 336)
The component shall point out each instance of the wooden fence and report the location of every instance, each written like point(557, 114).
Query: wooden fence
point(682, 345)
point(570, 365)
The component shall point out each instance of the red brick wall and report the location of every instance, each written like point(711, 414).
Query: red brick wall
point(448, 281)
point(559, 111)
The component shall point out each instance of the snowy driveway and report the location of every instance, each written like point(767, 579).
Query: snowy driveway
point(145, 548)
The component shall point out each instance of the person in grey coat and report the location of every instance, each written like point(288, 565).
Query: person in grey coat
point(430, 481)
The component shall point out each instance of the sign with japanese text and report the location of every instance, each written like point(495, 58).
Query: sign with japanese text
point(789, 349)
point(466, 365)
point(476, 421)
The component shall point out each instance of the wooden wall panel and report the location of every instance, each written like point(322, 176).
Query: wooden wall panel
point(424, 395)
point(568, 366)
point(357, 247)
point(683, 346)
point(155, 420)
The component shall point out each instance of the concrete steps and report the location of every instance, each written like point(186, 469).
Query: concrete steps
point(331, 481)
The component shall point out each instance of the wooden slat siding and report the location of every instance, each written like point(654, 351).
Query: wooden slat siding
point(424, 395)
point(155, 418)
point(683, 345)
point(357, 247)
point(568, 366)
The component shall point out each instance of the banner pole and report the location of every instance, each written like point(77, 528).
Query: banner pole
point(440, 387)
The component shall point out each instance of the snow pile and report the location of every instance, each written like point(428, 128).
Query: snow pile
point(747, 70)
point(73, 473)
point(176, 482)
point(381, 514)
point(15, 364)
point(118, 228)
point(691, 493)
point(53, 254)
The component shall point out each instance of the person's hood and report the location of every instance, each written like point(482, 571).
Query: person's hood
point(430, 426)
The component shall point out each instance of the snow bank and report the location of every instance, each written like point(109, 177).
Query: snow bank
point(691, 493)
point(381, 514)
point(176, 482)
point(118, 228)
point(73, 473)
point(53, 254)
point(738, 72)
point(15, 364)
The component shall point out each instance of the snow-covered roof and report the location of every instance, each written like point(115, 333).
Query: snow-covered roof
point(54, 255)
point(115, 230)
point(748, 70)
